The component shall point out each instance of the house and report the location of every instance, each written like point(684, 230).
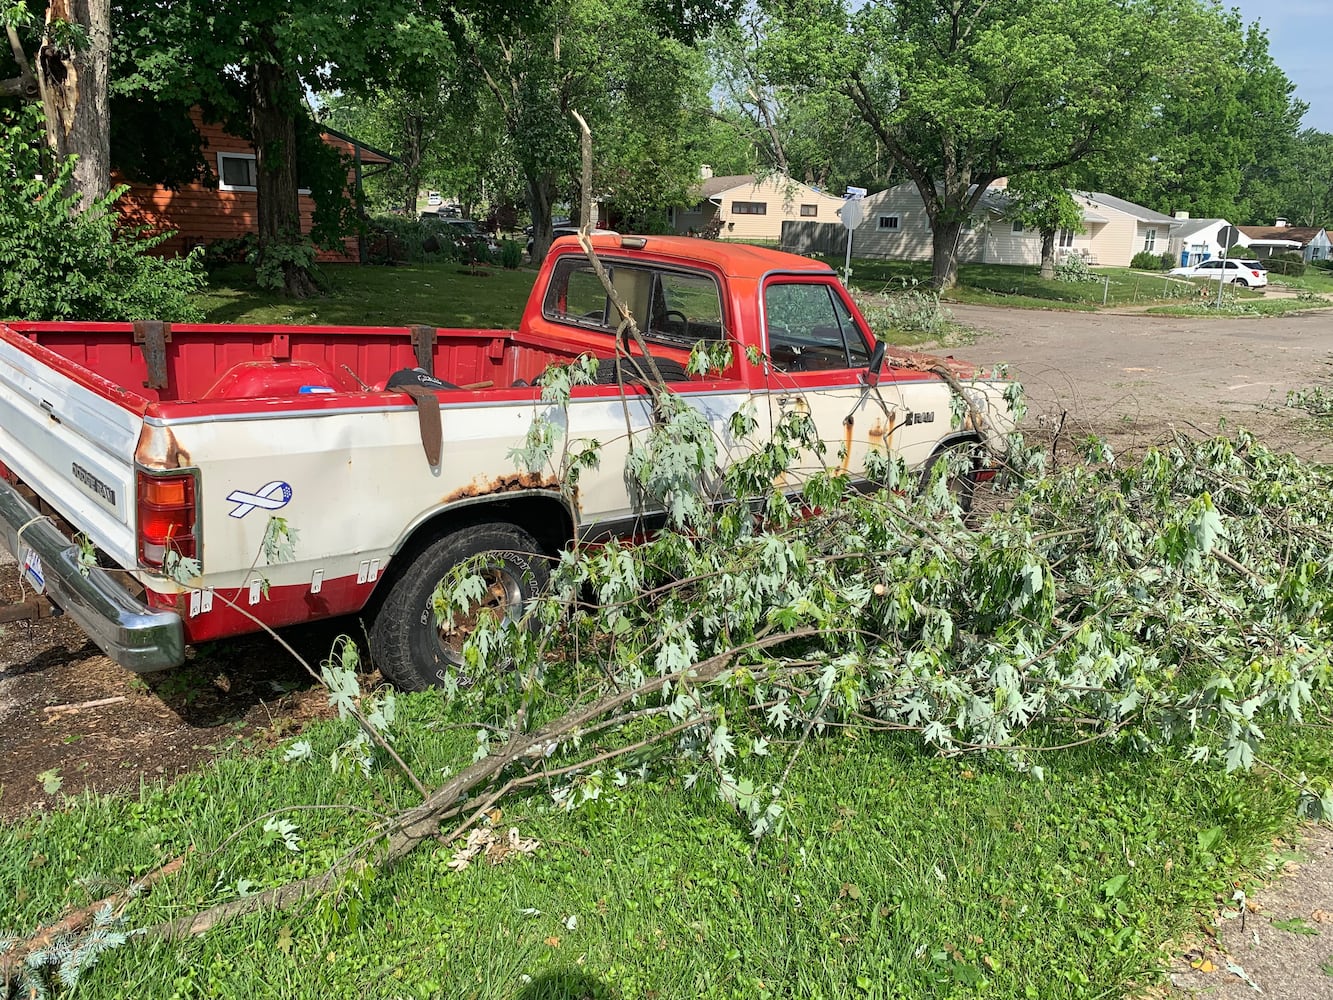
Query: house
point(201, 214)
point(1196, 240)
point(895, 225)
point(1311, 242)
point(752, 209)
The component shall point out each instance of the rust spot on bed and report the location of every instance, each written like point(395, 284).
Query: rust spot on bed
point(159, 449)
point(503, 484)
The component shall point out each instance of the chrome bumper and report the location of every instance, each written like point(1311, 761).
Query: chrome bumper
point(127, 630)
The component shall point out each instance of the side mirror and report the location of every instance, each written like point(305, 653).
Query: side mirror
point(871, 376)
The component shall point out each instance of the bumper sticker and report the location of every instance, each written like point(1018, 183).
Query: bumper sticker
point(271, 496)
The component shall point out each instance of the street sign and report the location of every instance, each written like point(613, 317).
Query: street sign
point(852, 212)
point(855, 192)
point(1228, 236)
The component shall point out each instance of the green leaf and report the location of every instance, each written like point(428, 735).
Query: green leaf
point(1112, 886)
point(1296, 925)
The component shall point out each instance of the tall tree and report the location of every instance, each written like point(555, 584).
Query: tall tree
point(634, 82)
point(964, 92)
point(1221, 144)
point(250, 63)
point(1041, 201)
point(60, 54)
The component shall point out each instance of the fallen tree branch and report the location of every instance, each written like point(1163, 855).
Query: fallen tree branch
point(76, 921)
point(422, 822)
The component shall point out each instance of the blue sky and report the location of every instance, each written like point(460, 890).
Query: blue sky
point(1300, 37)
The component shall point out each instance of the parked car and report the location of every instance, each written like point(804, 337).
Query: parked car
point(560, 231)
point(463, 232)
point(1247, 273)
point(433, 198)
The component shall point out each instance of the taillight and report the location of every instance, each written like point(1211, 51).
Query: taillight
point(167, 517)
point(1255, 273)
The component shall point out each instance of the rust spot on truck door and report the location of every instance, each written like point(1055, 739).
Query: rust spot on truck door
point(881, 434)
point(848, 425)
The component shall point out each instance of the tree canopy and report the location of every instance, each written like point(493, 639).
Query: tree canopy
point(963, 93)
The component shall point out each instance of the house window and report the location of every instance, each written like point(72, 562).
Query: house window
point(237, 172)
point(809, 211)
point(888, 222)
point(749, 208)
point(1066, 238)
point(1149, 240)
point(1018, 227)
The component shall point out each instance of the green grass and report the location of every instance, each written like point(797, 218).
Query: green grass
point(1242, 307)
point(1314, 279)
point(899, 875)
point(445, 294)
point(1022, 286)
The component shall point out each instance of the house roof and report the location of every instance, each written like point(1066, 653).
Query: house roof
point(1191, 226)
point(712, 186)
point(369, 154)
point(1299, 235)
point(1127, 207)
point(997, 200)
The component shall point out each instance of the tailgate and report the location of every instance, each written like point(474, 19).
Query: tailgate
point(72, 446)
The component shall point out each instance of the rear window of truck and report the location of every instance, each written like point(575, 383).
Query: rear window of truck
point(670, 306)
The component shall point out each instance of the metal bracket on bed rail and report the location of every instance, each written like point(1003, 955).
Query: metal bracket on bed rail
point(423, 343)
point(153, 338)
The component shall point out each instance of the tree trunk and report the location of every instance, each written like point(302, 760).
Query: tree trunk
point(944, 261)
point(273, 129)
point(74, 94)
point(541, 194)
point(1048, 253)
point(412, 129)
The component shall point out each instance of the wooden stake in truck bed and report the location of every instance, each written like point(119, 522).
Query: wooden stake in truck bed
point(149, 440)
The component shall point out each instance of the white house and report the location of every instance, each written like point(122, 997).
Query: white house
point(1114, 230)
point(1195, 240)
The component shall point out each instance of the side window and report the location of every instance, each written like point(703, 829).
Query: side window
point(575, 295)
point(809, 329)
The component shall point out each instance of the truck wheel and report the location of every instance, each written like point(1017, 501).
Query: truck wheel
point(961, 473)
point(412, 649)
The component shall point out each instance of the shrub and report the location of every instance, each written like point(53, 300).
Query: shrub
point(1325, 264)
point(912, 311)
point(1074, 269)
point(1146, 260)
point(1291, 264)
point(511, 254)
point(1168, 261)
point(59, 263)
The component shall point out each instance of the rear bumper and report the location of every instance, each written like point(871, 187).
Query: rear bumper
point(136, 636)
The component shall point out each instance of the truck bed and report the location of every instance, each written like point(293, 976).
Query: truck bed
point(200, 363)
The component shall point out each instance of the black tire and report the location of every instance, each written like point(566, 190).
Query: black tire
point(1240, 281)
point(407, 644)
point(962, 484)
point(636, 369)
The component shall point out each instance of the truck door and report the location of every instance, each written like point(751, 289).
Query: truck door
point(818, 353)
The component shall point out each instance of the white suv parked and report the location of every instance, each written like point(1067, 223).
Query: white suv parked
point(1249, 273)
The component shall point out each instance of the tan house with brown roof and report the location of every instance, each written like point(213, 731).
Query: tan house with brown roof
point(751, 208)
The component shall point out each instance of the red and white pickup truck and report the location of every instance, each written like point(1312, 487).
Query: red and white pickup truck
point(147, 438)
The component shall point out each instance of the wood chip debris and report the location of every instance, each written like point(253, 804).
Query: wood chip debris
point(485, 842)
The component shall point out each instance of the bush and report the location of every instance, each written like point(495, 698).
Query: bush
point(1146, 260)
point(911, 311)
point(1291, 264)
point(1074, 269)
point(1168, 261)
point(1324, 265)
point(511, 254)
point(58, 263)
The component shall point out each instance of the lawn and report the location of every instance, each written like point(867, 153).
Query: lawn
point(1022, 286)
point(899, 874)
point(444, 294)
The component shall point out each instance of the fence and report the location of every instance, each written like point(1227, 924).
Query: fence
point(814, 238)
